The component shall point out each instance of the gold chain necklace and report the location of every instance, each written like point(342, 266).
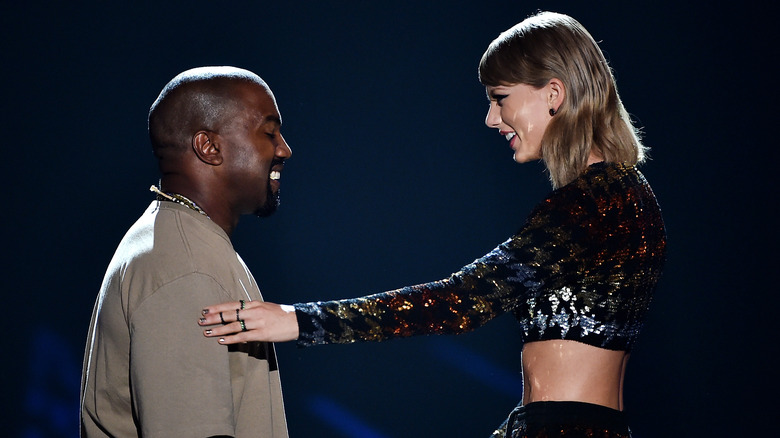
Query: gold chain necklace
point(177, 198)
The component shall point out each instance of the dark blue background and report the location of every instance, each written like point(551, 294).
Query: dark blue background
point(394, 180)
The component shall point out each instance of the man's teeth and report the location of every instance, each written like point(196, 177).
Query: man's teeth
point(275, 175)
point(510, 135)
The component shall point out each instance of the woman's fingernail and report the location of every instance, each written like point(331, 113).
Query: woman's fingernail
point(205, 311)
point(208, 332)
point(202, 320)
point(221, 340)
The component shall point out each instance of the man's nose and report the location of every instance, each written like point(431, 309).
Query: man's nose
point(283, 150)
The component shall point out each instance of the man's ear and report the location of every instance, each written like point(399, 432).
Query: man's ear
point(206, 148)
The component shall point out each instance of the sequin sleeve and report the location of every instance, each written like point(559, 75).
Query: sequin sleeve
point(462, 302)
point(578, 269)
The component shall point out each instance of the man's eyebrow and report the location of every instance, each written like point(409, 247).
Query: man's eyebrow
point(272, 119)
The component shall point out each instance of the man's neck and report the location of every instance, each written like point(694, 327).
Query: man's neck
point(205, 198)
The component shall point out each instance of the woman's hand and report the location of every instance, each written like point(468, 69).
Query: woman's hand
point(257, 321)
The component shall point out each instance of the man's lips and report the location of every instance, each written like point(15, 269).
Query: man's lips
point(276, 171)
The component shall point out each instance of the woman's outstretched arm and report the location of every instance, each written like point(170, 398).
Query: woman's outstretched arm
point(500, 281)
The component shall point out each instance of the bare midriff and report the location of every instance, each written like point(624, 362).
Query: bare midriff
point(560, 370)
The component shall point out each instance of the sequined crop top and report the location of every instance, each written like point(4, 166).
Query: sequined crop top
point(583, 267)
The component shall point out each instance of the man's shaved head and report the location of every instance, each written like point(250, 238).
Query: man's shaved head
point(203, 98)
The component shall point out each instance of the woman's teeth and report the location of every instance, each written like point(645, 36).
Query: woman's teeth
point(510, 135)
point(275, 175)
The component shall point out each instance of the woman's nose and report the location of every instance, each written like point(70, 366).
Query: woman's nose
point(493, 118)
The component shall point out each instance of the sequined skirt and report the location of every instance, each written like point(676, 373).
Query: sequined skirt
point(566, 420)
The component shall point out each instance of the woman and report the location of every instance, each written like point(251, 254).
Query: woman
point(578, 275)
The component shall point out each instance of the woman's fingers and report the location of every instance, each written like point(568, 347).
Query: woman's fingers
point(226, 312)
point(234, 339)
point(239, 331)
point(258, 321)
point(222, 330)
point(228, 334)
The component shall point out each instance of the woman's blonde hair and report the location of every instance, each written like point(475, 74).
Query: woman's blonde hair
point(591, 118)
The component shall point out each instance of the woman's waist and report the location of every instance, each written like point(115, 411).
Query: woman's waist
point(561, 370)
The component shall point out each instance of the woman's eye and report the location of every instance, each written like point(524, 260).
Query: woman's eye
point(499, 98)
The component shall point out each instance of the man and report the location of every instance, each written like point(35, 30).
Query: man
point(148, 370)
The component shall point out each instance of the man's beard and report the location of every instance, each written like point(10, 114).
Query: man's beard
point(271, 203)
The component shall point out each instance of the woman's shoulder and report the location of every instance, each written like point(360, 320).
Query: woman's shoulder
point(601, 187)
point(607, 177)
point(600, 181)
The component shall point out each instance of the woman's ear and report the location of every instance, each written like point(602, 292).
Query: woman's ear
point(557, 94)
point(204, 144)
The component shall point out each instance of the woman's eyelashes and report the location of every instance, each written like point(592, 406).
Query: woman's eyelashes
point(499, 98)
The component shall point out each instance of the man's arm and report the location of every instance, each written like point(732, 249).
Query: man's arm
point(180, 382)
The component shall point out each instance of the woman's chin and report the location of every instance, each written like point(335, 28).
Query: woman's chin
point(524, 158)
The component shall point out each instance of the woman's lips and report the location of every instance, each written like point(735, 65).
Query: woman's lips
point(510, 137)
